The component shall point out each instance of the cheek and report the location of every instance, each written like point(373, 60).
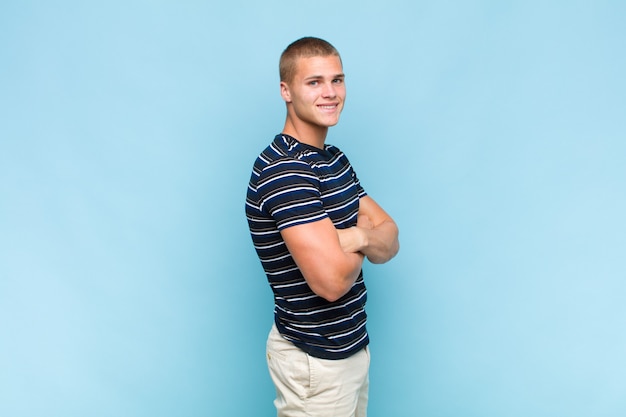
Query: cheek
point(305, 103)
point(309, 97)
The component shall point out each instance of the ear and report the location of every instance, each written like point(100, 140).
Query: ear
point(284, 92)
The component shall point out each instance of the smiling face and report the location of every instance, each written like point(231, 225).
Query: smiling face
point(316, 93)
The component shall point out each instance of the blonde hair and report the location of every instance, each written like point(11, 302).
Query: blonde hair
point(306, 47)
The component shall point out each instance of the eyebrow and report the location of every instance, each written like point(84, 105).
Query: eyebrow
point(317, 77)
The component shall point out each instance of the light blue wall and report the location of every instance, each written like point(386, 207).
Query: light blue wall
point(494, 132)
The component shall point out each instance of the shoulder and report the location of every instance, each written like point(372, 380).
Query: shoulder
point(284, 166)
point(287, 176)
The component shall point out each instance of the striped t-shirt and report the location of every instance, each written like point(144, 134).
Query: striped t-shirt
point(293, 183)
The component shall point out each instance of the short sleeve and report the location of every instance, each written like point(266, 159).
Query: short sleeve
point(359, 188)
point(289, 191)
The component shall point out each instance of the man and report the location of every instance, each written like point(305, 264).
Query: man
point(312, 224)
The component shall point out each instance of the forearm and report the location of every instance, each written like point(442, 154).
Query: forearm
point(381, 242)
point(378, 243)
point(347, 277)
point(334, 278)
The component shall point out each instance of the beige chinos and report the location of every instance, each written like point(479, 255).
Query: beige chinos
point(307, 386)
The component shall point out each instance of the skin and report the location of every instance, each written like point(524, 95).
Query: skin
point(330, 259)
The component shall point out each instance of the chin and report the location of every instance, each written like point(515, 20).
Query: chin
point(330, 123)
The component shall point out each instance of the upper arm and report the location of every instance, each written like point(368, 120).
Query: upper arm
point(315, 248)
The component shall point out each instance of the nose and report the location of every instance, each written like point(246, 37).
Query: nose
point(329, 90)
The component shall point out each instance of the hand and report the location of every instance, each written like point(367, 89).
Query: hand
point(353, 239)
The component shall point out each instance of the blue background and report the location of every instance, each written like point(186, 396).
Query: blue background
point(493, 132)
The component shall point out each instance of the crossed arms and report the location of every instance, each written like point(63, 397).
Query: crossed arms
point(330, 259)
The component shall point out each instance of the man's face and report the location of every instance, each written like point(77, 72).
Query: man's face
point(317, 91)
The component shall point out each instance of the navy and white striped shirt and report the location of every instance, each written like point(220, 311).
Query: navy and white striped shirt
point(293, 183)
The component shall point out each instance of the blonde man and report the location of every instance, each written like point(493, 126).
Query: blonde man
point(312, 225)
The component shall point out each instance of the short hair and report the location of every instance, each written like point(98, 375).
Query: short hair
point(306, 47)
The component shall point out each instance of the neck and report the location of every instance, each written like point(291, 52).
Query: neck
point(306, 133)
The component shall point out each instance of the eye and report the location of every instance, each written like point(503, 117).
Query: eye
point(338, 80)
point(314, 82)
